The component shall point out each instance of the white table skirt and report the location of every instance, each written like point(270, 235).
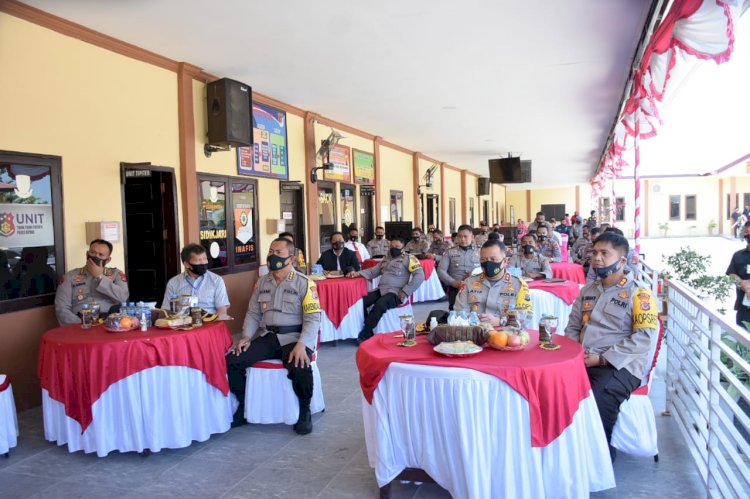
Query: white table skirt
point(8, 420)
point(160, 407)
point(430, 290)
point(545, 302)
point(350, 326)
point(470, 432)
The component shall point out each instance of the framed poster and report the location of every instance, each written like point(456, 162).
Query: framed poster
point(342, 170)
point(364, 167)
point(269, 155)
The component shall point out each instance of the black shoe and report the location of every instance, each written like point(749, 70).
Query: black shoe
point(239, 418)
point(612, 454)
point(362, 337)
point(304, 425)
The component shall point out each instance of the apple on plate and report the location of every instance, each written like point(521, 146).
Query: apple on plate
point(514, 341)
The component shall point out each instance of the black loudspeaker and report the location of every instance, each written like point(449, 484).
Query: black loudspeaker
point(230, 113)
point(483, 186)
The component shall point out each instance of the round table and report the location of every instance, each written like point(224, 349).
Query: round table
point(341, 300)
point(568, 271)
point(498, 424)
point(552, 298)
point(131, 391)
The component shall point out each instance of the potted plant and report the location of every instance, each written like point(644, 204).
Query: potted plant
point(664, 227)
point(711, 227)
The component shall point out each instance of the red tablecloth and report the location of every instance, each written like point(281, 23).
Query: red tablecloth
point(553, 382)
point(338, 295)
point(567, 290)
point(5, 384)
point(76, 365)
point(428, 264)
point(569, 271)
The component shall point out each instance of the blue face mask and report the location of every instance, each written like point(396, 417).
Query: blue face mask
point(492, 269)
point(602, 272)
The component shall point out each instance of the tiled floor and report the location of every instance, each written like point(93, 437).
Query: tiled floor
point(268, 461)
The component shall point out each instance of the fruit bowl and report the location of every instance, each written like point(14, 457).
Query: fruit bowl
point(510, 349)
point(119, 323)
point(508, 339)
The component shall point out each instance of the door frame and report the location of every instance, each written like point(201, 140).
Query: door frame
point(300, 188)
point(162, 169)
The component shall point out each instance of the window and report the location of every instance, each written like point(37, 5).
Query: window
point(348, 208)
point(471, 212)
point(605, 210)
point(31, 230)
point(690, 207)
point(235, 252)
point(397, 206)
point(674, 207)
point(620, 209)
point(452, 214)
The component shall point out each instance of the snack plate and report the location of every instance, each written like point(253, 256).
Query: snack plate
point(452, 349)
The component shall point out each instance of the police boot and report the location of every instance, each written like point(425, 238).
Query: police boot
point(304, 425)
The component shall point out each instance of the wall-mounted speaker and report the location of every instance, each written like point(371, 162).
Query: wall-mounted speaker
point(483, 186)
point(230, 114)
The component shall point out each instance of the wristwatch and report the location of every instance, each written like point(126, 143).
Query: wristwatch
point(602, 361)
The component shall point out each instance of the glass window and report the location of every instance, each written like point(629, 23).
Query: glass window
point(226, 254)
point(674, 207)
point(620, 209)
point(606, 209)
point(31, 235)
point(690, 207)
point(348, 207)
point(397, 206)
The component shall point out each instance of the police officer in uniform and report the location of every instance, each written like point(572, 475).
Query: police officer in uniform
point(400, 273)
point(379, 245)
point(458, 263)
point(548, 247)
point(282, 322)
point(439, 245)
point(739, 270)
point(482, 237)
point(616, 322)
point(491, 293)
point(532, 263)
point(93, 282)
point(418, 244)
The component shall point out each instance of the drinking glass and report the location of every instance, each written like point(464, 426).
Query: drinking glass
point(552, 327)
point(95, 312)
point(409, 327)
point(85, 317)
point(522, 315)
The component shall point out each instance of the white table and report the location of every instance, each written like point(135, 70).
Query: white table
point(544, 302)
point(350, 325)
point(471, 433)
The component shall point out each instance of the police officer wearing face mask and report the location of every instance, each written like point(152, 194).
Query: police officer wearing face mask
point(207, 289)
point(616, 322)
point(739, 270)
point(282, 322)
point(107, 286)
point(530, 261)
point(418, 244)
point(400, 275)
point(378, 246)
point(491, 293)
point(458, 262)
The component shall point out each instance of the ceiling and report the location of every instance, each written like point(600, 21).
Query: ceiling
point(462, 82)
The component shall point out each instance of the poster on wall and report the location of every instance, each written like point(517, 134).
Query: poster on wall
point(26, 225)
point(341, 171)
point(364, 167)
point(269, 155)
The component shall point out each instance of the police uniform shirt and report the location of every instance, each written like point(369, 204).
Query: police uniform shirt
point(457, 263)
point(209, 290)
point(619, 322)
point(535, 265)
point(580, 248)
point(418, 247)
point(403, 273)
point(740, 266)
point(378, 247)
point(551, 250)
point(78, 287)
point(480, 239)
point(292, 302)
point(438, 248)
point(483, 296)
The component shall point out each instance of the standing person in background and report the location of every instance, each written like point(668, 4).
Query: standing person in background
point(737, 223)
point(538, 220)
point(378, 245)
point(357, 247)
point(738, 270)
point(592, 222)
point(566, 220)
point(521, 229)
point(299, 263)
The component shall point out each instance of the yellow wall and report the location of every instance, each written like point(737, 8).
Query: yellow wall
point(396, 169)
point(498, 213)
point(93, 108)
point(471, 193)
point(452, 182)
point(517, 200)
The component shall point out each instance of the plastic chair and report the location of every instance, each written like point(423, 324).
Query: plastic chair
point(8, 419)
point(564, 248)
point(391, 320)
point(269, 397)
point(635, 430)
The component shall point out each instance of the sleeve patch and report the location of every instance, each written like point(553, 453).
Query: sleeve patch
point(414, 263)
point(123, 277)
point(311, 303)
point(645, 315)
point(523, 299)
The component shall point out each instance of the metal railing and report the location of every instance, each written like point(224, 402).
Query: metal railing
point(705, 388)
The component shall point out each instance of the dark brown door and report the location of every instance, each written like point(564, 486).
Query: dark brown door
point(366, 202)
point(150, 232)
point(292, 210)
point(326, 214)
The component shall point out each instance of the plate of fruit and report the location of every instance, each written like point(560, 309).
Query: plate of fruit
point(118, 323)
point(508, 339)
point(457, 348)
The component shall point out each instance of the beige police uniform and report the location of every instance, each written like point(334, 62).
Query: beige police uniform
point(480, 239)
point(78, 287)
point(479, 294)
point(403, 273)
point(438, 248)
point(378, 247)
point(535, 265)
point(551, 249)
point(419, 247)
point(579, 250)
point(292, 302)
point(458, 263)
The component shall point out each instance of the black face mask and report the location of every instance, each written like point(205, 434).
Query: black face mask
point(275, 262)
point(528, 249)
point(492, 269)
point(395, 252)
point(378, 236)
point(199, 268)
point(97, 261)
point(353, 238)
point(415, 238)
point(338, 245)
point(542, 238)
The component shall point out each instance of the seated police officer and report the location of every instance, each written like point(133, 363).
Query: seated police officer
point(491, 293)
point(107, 286)
point(530, 261)
point(282, 322)
point(207, 289)
point(439, 245)
point(548, 247)
point(378, 246)
point(616, 322)
point(298, 260)
point(458, 263)
point(418, 244)
point(339, 258)
point(400, 273)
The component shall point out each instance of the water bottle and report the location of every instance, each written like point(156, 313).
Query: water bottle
point(131, 309)
point(149, 319)
point(124, 307)
point(463, 315)
point(174, 304)
point(452, 318)
point(144, 320)
point(433, 323)
point(473, 319)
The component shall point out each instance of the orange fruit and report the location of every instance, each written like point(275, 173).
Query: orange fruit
point(498, 339)
point(126, 323)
